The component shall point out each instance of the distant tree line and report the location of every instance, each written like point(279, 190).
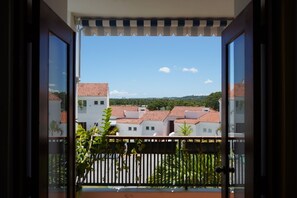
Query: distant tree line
point(212, 101)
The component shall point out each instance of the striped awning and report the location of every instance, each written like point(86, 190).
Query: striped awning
point(152, 27)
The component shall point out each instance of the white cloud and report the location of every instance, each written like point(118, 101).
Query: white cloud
point(192, 70)
point(53, 90)
point(116, 93)
point(164, 70)
point(208, 81)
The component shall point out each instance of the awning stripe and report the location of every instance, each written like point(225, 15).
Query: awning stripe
point(152, 27)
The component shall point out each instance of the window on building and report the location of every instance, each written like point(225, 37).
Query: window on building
point(82, 103)
point(152, 128)
point(209, 130)
point(204, 130)
point(147, 128)
point(95, 102)
point(82, 106)
point(129, 128)
point(239, 106)
point(83, 125)
point(134, 128)
point(101, 102)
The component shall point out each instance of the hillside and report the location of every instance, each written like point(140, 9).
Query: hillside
point(167, 103)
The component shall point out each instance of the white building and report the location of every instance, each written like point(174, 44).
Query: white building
point(127, 119)
point(155, 123)
point(129, 126)
point(92, 99)
point(138, 121)
point(236, 110)
point(202, 120)
point(57, 117)
point(182, 112)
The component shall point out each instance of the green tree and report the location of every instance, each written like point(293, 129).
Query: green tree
point(212, 100)
point(90, 142)
point(185, 129)
point(187, 169)
point(169, 102)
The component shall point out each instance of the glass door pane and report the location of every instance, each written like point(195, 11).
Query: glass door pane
point(236, 115)
point(57, 118)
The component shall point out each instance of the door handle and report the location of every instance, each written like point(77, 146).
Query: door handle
point(220, 169)
point(224, 170)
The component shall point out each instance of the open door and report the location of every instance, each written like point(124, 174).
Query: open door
point(240, 62)
point(53, 164)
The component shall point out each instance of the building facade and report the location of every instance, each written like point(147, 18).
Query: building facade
point(203, 124)
point(92, 100)
point(138, 121)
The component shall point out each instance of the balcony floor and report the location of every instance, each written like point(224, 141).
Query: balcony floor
point(149, 193)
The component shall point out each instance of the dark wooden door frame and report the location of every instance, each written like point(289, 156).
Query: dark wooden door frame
point(45, 21)
point(281, 71)
point(245, 23)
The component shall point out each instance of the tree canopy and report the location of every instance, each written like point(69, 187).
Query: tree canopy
point(168, 103)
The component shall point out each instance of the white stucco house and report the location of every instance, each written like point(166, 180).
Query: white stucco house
point(155, 123)
point(182, 112)
point(203, 121)
point(236, 109)
point(129, 127)
point(138, 121)
point(57, 117)
point(92, 99)
point(127, 119)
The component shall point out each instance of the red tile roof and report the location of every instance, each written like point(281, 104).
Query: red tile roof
point(130, 120)
point(179, 111)
point(237, 90)
point(92, 89)
point(210, 117)
point(64, 117)
point(155, 115)
point(213, 117)
point(118, 110)
point(52, 96)
point(187, 121)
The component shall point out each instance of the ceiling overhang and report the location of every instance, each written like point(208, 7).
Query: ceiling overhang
point(152, 27)
point(151, 17)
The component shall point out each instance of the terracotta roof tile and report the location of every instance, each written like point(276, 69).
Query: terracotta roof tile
point(187, 121)
point(92, 89)
point(208, 117)
point(52, 96)
point(64, 117)
point(156, 115)
point(179, 111)
point(237, 90)
point(118, 110)
point(130, 120)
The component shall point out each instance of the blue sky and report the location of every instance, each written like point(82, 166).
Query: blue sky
point(152, 66)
